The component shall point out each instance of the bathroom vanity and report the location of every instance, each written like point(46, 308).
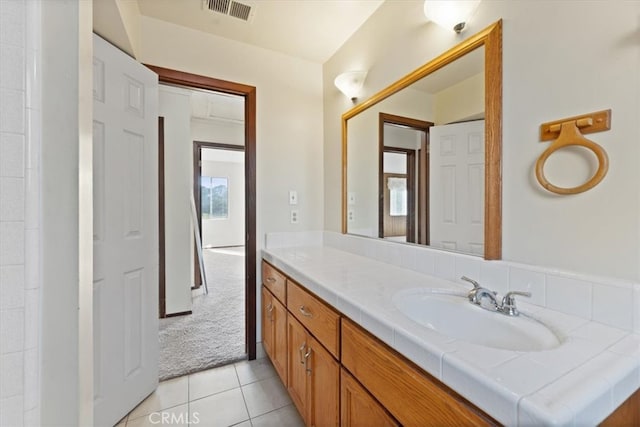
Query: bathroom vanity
point(348, 356)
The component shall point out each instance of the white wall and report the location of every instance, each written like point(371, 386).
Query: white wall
point(548, 75)
point(462, 101)
point(226, 231)
point(20, 284)
point(217, 131)
point(175, 107)
point(289, 116)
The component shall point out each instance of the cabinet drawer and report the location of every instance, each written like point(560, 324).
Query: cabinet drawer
point(316, 316)
point(412, 396)
point(274, 281)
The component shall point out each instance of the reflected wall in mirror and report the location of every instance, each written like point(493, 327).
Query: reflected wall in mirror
point(421, 159)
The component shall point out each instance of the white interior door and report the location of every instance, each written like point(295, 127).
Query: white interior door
point(125, 232)
point(456, 186)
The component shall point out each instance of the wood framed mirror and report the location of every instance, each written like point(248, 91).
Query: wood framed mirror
point(448, 206)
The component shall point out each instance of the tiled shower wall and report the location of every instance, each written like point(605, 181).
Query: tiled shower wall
point(20, 212)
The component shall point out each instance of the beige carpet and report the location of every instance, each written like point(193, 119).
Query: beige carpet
point(214, 334)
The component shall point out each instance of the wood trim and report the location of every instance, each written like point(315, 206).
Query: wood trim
point(162, 274)
point(345, 206)
point(181, 313)
point(493, 144)
point(169, 76)
point(491, 39)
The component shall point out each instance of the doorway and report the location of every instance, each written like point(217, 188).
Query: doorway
point(179, 81)
point(403, 179)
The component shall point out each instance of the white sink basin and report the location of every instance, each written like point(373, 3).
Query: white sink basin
point(454, 316)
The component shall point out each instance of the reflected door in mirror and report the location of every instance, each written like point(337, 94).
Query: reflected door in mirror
point(457, 187)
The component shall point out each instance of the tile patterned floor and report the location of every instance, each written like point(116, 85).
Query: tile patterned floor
point(245, 394)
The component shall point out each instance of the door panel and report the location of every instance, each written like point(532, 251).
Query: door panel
point(125, 233)
point(456, 186)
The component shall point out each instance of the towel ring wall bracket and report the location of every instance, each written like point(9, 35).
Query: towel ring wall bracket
point(569, 132)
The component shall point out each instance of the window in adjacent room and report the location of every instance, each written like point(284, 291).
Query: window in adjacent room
point(215, 197)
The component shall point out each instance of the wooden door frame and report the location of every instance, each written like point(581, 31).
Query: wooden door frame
point(423, 202)
point(169, 76)
point(197, 172)
point(411, 192)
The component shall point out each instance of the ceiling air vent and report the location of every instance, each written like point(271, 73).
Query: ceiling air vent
point(231, 8)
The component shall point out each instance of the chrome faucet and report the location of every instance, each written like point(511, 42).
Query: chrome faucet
point(477, 294)
point(508, 305)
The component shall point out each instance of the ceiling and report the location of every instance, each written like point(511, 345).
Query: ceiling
point(308, 29)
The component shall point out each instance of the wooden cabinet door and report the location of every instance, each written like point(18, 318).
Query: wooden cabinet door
point(279, 348)
point(411, 395)
point(297, 341)
point(267, 322)
point(323, 374)
point(359, 408)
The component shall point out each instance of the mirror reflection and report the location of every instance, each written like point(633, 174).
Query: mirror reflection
point(416, 161)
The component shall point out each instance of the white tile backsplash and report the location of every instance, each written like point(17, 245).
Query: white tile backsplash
point(11, 331)
point(495, 276)
point(12, 154)
point(12, 111)
point(569, 295)
point(20, 138)
point(609, 301)
point(11, 375)
point(31, 379)
point(11, 243)
point(613, 305)
point(11, 408)
point(445, 266)
point(468, 266)
point(11, 287)
point(529, 281)
point(12, 74)
point(13, 22)
point(12, 206)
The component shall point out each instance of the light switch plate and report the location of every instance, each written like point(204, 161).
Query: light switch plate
point(294, 216)
point(293, 197)
point(351, 196)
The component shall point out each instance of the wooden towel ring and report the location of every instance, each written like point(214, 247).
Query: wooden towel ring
point(570, 135)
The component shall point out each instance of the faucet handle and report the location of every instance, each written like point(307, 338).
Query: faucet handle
point(509, 302)
point(475, 284)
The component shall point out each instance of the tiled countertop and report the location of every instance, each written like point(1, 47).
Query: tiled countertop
point(594, 370)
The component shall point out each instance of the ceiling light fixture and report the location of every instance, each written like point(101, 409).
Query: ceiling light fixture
point(350, 83)
point(450, 13)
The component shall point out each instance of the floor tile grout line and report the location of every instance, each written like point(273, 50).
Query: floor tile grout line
point(244, 399)
point(214, 394)
point(276, 409)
